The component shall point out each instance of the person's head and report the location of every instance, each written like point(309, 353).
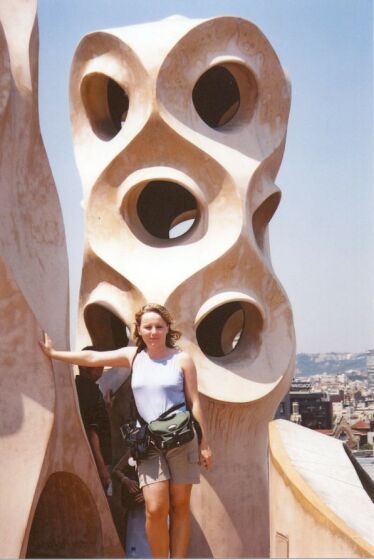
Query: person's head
point(153, 326)
point(94, 373)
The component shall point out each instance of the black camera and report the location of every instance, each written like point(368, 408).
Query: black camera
point(137, 439)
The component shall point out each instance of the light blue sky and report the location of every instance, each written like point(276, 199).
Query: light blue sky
point(322, 235)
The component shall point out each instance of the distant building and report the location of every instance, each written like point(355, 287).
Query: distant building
point(284, 409)
point(370, 367)
point(361, 429)
point(295, 416)
point(337, 409)
point(337, 397)
point(300, 387)
point(314, 408)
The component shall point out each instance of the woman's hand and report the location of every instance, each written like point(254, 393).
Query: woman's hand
point(205, 456)
point(122, 357)
point(46, 345)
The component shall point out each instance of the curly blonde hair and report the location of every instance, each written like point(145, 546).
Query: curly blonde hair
point(172, 336)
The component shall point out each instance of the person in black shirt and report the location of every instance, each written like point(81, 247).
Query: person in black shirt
point(95, 418)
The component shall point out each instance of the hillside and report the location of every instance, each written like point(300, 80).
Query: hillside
point(314, 364)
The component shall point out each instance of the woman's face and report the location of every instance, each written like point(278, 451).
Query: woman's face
point(153, 330)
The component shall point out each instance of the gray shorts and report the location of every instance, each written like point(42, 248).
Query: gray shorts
point(179, 465)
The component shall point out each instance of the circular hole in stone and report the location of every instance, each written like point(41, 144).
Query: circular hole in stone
point(222, 330)
point(219, 332)
point(166, 210)
point(106, 330)
point(106, 104)
point(224, 91)
point(216, 96)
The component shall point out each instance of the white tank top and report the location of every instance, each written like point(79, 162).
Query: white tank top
point(157, 384)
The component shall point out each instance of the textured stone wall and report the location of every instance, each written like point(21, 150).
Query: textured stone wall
point(49, 486)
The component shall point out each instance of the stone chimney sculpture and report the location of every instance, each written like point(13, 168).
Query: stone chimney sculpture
point(179, 129)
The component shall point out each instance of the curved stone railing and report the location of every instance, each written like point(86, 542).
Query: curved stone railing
point(318, 506)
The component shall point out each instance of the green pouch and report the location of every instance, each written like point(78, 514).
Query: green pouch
point(171, 429)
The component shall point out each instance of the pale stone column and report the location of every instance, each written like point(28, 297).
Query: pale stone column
point(184, 122)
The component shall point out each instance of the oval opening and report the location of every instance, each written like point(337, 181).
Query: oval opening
point(166, 210)
point(66, 522)
point(216, 96)
point(220, 331)
point(107, 331)
point(106, 104)
point(230, 327)
point(224, 92)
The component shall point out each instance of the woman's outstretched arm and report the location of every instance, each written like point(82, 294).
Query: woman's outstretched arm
point(90, 358)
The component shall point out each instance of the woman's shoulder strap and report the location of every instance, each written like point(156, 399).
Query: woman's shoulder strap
point(138, 351)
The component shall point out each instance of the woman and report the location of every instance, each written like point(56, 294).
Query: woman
point(162, 376)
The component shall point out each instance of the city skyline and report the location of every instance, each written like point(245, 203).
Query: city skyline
point(321, 237)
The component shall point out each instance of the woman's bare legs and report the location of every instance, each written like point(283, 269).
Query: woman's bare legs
point(156, 497)
point(180, 519)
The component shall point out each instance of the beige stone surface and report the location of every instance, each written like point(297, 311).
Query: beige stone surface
point(51, 502)
point(186, 119)
point(318, 506)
